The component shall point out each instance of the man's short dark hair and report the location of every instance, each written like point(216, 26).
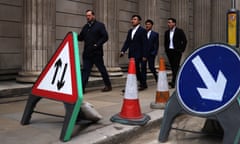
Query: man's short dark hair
point(90, 11)
point(138, 16)
point(149, 21)
point(172, 19)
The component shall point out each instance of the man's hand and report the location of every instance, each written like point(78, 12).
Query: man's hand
point(121, 54)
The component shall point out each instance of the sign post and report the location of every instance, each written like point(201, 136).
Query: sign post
point(208, 86)
point(60, 80)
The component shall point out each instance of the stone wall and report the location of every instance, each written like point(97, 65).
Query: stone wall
point(11, 18)
point(127, 8)
point(70, 16)
point(28, 44)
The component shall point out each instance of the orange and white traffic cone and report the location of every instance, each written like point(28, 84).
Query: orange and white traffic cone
point(131, 112)
point(162, 94)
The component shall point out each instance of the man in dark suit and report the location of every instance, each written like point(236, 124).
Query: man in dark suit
point(153, 44)
point(136, 43)
point(94, 35)
point(175, 43)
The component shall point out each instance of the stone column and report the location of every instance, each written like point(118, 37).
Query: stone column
point(38, 37)
point(202, 22)
point(148, 10)
point(218, 20)
point(180, 11)
point(106, 12)
point(237, 4)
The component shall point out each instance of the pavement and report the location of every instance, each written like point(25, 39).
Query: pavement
point(45, 129)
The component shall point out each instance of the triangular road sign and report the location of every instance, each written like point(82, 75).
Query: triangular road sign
point(58, 79)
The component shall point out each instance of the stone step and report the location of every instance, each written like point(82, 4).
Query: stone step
point(11, 88)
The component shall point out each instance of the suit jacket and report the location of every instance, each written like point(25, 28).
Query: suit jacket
point(94, 34)
point(137, 47)
point(179, 40)
point(153, 43)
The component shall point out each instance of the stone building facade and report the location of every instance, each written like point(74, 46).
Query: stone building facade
point(31, 30)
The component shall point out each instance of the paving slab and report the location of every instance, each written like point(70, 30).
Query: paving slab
point(46, 129)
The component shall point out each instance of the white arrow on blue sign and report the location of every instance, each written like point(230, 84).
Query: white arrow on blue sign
point(215, 89)
point(209, 79)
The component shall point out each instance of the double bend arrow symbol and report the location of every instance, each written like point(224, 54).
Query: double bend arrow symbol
point(215, 89)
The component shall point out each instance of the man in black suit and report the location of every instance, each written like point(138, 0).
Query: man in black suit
point(136, 43)
point(153, 44)
point(94, 35)
point(175, 43)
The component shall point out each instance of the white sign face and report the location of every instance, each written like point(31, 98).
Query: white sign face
point(58, 77)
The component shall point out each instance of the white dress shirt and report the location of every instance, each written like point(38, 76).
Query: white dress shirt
point(134, 30)
point(171, 46)
point(148, 34)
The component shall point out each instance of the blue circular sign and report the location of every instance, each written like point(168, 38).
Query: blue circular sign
point(209, 79)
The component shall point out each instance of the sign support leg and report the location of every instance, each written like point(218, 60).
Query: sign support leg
point(229, 120)
point(69, 110)
point(172, 110)
point(212, 126)
point(71, 114)
point(31, 103)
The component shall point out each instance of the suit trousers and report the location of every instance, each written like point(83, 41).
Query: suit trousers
point(151, 65)
point(174, 58)
point(141, 71)
point(88, 62)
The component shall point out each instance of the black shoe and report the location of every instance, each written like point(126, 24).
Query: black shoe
point(141, 88)
point(123, 90)
point(172, 84)
point(107, 88)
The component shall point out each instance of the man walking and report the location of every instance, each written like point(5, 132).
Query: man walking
point(94, 35)
point(153, 44)
point(175, 43)
point(136, 43)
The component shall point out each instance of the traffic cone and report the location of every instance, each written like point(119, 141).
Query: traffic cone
point(131, 112)
point(162, 94)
